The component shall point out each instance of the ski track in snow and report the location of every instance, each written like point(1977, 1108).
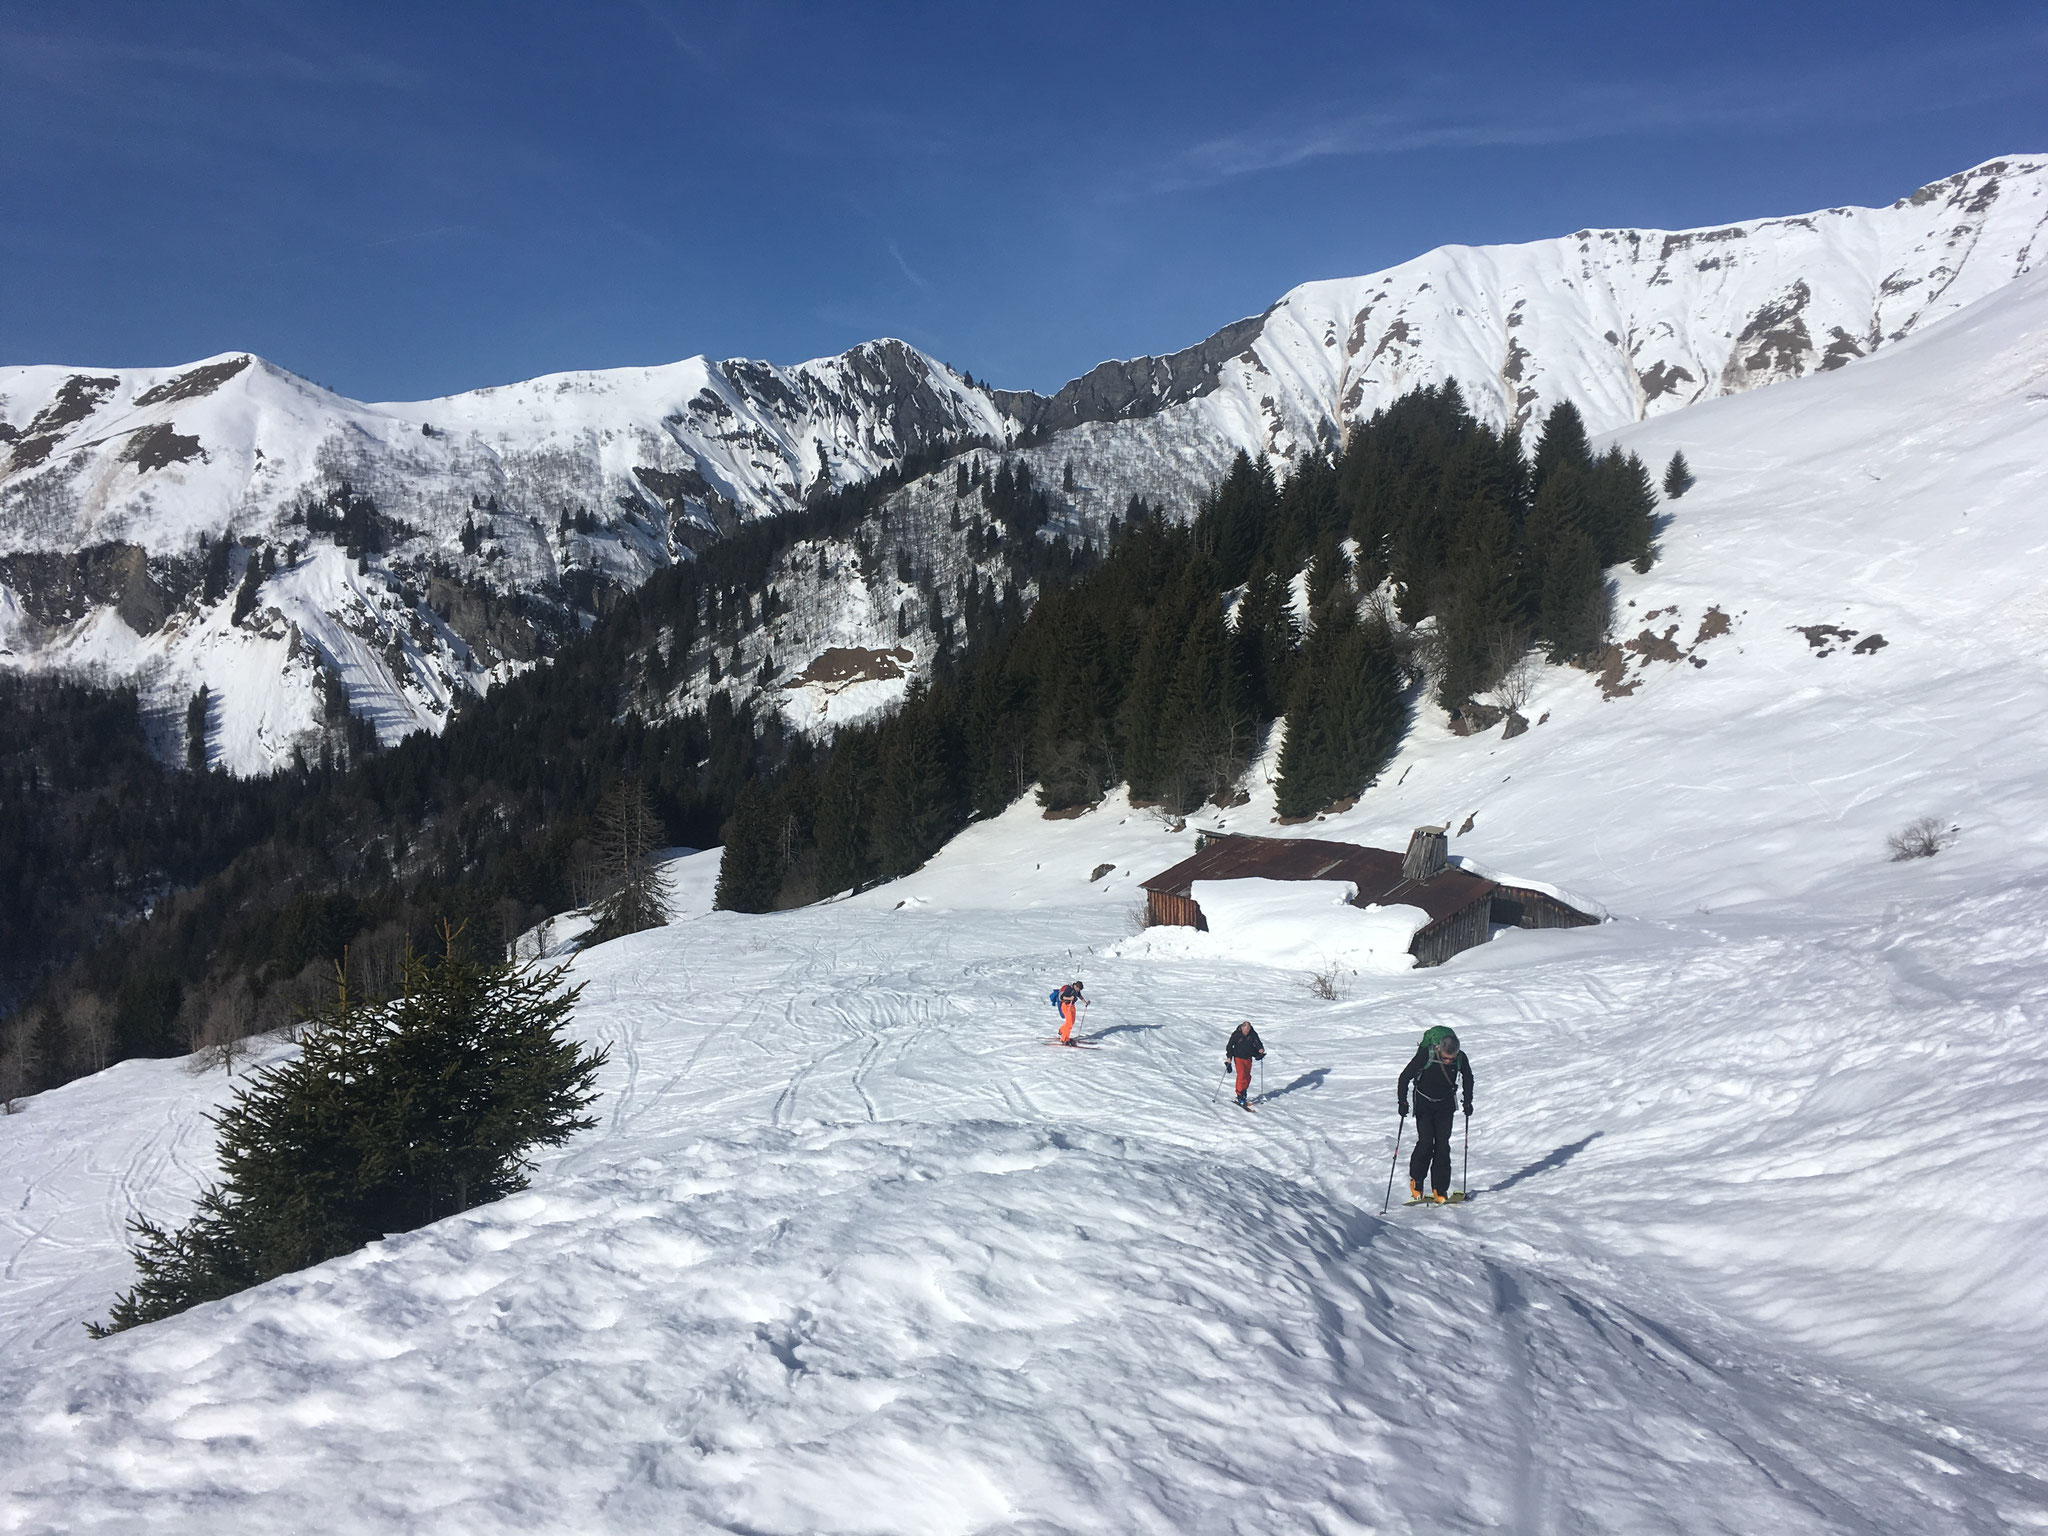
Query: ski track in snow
point(854, 1252)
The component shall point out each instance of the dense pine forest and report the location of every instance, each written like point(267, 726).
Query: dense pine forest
point(1431, 549)
point(151, 911)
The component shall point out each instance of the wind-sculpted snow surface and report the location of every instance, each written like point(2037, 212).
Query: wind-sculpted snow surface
point(854, 1251)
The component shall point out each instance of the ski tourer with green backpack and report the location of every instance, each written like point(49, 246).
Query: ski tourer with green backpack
point(1436, 1074)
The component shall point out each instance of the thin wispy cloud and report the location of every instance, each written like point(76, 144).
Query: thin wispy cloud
point(666, 23)
point(1478, 114)
point(914, 276)
point(52, 58)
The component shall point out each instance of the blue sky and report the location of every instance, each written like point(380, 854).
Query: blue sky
point(406, 200)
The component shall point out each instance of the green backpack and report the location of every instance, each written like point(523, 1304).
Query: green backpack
point(1433, 1037)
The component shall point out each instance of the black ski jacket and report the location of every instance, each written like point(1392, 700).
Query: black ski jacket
point(1436, 1081)
point(1245, 1045)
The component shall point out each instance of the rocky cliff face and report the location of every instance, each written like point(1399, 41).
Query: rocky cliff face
point(404, 555)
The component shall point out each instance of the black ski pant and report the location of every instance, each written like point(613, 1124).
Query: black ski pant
point(1432, 1144)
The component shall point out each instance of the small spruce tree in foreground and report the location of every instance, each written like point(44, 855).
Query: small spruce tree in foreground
point(391, 1116)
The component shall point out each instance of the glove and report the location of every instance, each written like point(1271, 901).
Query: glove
point(1404, 1109)
point(1468, 1111)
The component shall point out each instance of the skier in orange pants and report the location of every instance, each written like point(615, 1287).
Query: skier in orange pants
point(1245, 1047)
point(1071, 1001)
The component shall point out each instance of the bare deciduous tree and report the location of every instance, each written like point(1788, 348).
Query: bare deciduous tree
point(1327, 983)
point(1515, 669)
point(90, 1023)
point(17, 1059)
point(1921, 839)
point(586, 874)
point(629, 832)
point(219, 1033)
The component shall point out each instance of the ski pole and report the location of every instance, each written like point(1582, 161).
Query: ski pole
point(1465, 1178)
point(1219, 1082)
point(1396, 1159)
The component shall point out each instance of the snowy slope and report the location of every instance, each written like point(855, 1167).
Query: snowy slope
point(1760, 1213)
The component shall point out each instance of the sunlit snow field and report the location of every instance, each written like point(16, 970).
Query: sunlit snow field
point(1759, 1216)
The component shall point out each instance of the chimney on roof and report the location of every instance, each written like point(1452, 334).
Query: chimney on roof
point(1428, 855)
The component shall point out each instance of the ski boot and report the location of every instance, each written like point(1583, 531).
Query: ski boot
point(1414, 1192)
point(1438, 1197)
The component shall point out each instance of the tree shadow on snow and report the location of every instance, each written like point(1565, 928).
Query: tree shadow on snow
point(1544, 1164)
point(1311, 1079)
point(1118, 1029)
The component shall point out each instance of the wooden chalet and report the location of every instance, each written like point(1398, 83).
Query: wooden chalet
point(1463, 908)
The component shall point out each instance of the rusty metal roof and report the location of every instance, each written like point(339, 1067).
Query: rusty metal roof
point(1375, 871)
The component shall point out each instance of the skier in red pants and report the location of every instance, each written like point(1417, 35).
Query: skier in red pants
point(1244, 1048)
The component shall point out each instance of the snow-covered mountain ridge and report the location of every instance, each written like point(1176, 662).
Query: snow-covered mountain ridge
point(1625, 323)
point(428, 548)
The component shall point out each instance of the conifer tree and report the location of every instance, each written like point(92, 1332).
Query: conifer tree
point(195, 730)
point(1335, 715)
point(750, 868)
point(1480, 608)
point(845, 811)
point(1563, 441)
point(389, 1117)
point(1677, 475)
point(997, 734)
point(1266, 638)
point(1574, 612)
point(1363, 713)
point(1203, 731)
point(252, 583)
point(1562, 507)
point(1326, 569)
point(629, 833)
point(918, 803)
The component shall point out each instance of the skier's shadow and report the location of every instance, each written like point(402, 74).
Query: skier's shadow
point(1544, 1164)
point(1119, 1029)
point(1311, 1079)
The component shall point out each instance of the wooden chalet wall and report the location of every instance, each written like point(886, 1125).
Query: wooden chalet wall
point(1516, 906)
point(1167, 911)
point(1446, 936)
